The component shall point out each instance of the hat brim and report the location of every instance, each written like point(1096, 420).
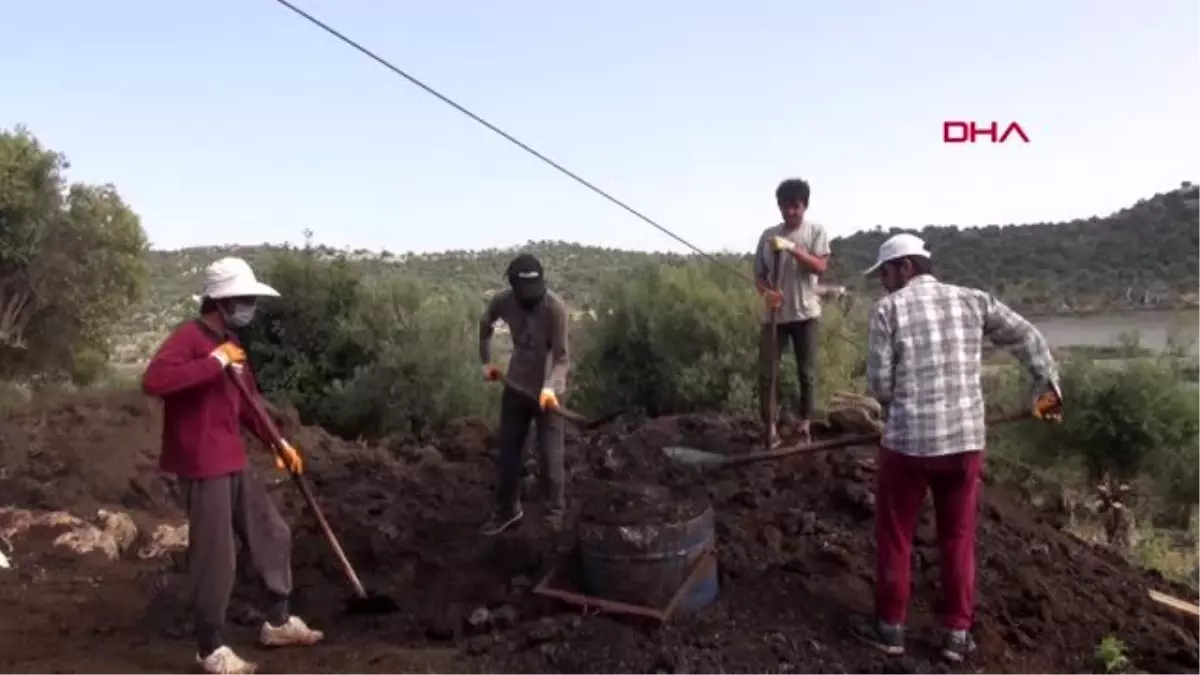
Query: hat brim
point(873, 268)
point(923, 253)
point(247, 290)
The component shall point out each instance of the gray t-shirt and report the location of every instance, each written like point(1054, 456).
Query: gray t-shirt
point(540, 358)
point(798, 284)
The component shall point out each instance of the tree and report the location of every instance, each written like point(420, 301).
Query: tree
point(72, 263)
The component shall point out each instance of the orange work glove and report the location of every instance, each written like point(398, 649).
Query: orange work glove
point(1049, 405)
point(491, 373)
point(288, 458)
point(773, 298)
point(229, 354)
point(548, 399)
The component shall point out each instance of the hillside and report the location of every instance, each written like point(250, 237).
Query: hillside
point(1144, 256)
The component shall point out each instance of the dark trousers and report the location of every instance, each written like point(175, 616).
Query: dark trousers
point(220, 509)
point(805, 340)
point(517, 414)
point(902, 481)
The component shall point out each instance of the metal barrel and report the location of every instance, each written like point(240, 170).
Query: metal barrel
point(646, 564)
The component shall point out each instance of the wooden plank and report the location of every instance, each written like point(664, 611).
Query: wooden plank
point(1175, 603)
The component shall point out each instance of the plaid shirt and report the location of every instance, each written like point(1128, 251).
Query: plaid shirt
point(924, 363)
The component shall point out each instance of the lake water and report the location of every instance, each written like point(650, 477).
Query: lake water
point(1153, 328)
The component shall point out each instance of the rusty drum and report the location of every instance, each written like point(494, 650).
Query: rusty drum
point(646, 563)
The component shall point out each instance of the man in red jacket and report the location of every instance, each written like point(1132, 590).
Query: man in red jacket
point(202, 445)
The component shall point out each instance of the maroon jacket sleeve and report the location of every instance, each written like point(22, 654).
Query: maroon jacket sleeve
point(175, 366)
point(248, 418)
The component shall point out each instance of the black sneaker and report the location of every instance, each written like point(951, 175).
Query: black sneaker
point(887, 638)
point(500, 522)
point(957, 645)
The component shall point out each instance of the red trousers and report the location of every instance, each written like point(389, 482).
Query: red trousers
point(902, 481)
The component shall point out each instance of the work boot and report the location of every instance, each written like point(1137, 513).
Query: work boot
point(501, 521)
point(887, 638)
point(957, 645)
point(294, 632)
point(224, 662)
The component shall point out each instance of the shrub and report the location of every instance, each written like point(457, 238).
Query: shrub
point(668, 340)
point(362, 356)
point(423, 368)
point(1137, 421)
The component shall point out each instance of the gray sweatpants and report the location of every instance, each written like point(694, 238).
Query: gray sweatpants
point(220, 509)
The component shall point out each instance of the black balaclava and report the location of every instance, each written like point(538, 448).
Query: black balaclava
point(525, 277)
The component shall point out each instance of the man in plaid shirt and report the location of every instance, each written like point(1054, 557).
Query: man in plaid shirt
point(924, 365)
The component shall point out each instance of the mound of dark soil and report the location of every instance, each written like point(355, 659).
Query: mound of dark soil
point(614, 503)
point(794, 542)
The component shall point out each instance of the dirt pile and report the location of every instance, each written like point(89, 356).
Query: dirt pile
point(794, 542)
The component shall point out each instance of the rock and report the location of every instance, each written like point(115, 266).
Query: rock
point(479, 618)
point(4, 564)
point(164, 541)
point(505, 617)
point(855, 414)
point(113, 535)
point(88, 539)
point(119, 526)
point(773, 538)
point(428, 455)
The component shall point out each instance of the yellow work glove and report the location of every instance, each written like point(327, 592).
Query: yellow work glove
point(783, 244)
point(548, 399)
point(491, 373)
point(1049, 405)
point(288, 458)
point(229, 354)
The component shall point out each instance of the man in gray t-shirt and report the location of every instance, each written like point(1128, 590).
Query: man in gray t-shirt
point(788, 263)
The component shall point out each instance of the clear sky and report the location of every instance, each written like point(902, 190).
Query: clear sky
point(235, 121)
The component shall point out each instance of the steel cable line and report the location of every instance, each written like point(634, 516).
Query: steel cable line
point(510, 138)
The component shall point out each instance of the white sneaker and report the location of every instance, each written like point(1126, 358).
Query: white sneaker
point(223, 661)
point(294, 632)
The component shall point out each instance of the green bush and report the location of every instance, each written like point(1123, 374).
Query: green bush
point(1136, 422)
point(676, 339)
point(424, 366)
point(365, 357)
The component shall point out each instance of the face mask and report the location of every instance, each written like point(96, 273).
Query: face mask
point(529, 293)
point(241, 316)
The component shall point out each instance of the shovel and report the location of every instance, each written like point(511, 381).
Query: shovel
point(567, 414)
point(773, 391)
point(704, 458)
point(362, 602)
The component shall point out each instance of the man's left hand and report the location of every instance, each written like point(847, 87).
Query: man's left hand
point(288, 458)
point(548, 400)
point(1049, 404)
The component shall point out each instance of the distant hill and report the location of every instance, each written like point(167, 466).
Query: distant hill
point(1144, 256)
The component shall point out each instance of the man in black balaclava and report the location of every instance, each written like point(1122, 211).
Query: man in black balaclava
point(537, 320)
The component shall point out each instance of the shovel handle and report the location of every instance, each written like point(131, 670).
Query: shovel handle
point(845, 442)
point(566, 414)
point(773, 391)
point(276, 439)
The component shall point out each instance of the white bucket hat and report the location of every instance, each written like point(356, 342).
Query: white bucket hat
point(899, 246)
point(233, 278)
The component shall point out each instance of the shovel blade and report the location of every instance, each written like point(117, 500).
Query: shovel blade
point(372, 603)
point(693, 456)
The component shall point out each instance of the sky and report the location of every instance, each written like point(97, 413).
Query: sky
point(236, 121)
